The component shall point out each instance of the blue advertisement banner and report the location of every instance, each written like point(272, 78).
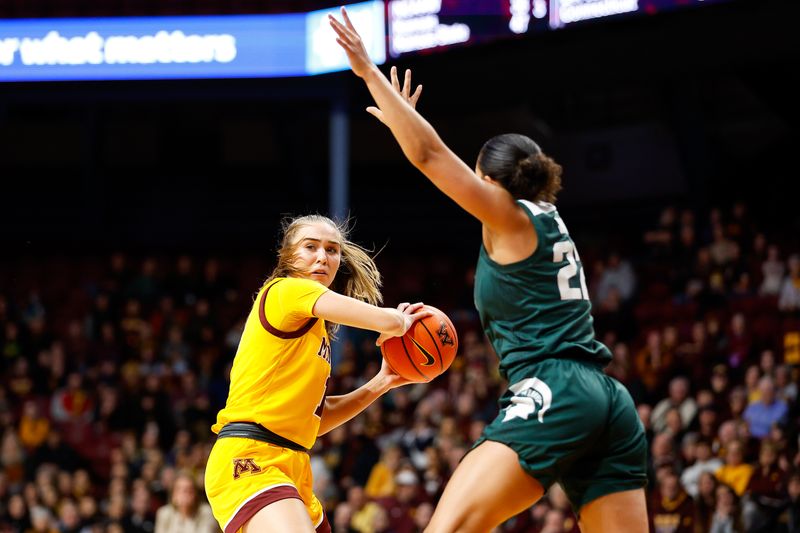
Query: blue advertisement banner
point(132, 48)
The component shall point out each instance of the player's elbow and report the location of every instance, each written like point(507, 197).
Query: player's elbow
point(419, 156)
point(426, 157)
point(427, 148)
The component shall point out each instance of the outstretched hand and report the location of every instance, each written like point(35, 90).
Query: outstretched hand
point(349, 39)
point(405, 92)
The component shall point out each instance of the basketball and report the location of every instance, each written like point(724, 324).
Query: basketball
point(426, 350)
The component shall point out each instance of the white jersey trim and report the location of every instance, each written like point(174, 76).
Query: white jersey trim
point(538, 208)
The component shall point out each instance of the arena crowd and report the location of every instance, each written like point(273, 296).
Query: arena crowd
point(112, 370)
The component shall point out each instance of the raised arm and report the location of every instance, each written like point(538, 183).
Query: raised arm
point(486, 201)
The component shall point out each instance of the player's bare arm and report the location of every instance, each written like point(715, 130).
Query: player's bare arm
point(340, 309)
point(423, 147)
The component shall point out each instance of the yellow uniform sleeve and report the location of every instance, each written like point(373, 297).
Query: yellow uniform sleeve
point(290, 302)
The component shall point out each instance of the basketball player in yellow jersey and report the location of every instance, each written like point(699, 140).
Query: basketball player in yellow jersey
point(258, 476)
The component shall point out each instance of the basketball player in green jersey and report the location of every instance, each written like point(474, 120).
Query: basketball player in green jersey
point(562, 420)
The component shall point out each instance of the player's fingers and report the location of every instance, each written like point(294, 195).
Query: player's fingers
point(340, 29)
point(395, 81)
point(383, 337)
point(422, 314)
point(402, 306)
point(375, 112)
point(347, 21)
point(413, 308)
point(407, 84)
point(343, 44)
point(415, 97)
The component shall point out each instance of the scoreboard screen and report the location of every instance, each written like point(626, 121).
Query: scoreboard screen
point(280, 45)
point(416, 26)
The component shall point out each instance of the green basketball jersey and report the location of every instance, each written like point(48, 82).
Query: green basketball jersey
point(538, 308)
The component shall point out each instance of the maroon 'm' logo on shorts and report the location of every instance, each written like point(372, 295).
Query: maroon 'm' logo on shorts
point(240, 466)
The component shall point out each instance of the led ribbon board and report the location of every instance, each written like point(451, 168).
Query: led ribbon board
point(431, 25)
point(135, 48)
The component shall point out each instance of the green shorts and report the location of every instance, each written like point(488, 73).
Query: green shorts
point(572, 424)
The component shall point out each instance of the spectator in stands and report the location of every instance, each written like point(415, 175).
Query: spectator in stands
point(72, 402)
point(722, 249)
point(739, 341)
point(185, 513)
point(617, 274)
point(772, 271)
point(735, 472)
point(672, 511)
point(727, 516)
point(423, 515)
point(42, 520)
point(660, 239)
point(140, 519)
point(766, 492)
point(33, 426)
point(789, 297)
point(768, 410)
point(662, 452)
point(653, 364)
point(363, 511)
point(69, 520)
point(342, 519)
point(720, 387)
point(17, 514)
point(679, 399)
point(705, 501)
point(785, 388)
point(793, 490)
point(704, 462)
point(737, 402)
point(751, 379)
point(381, 480)
point(707, 420)
point(400, 506)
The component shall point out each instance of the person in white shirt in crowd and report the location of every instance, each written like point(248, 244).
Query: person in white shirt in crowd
point(679, 399)
point(772, 269)
point(704, 462)
point(789, 298)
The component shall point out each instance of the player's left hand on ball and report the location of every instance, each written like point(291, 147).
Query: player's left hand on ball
point(392, 379)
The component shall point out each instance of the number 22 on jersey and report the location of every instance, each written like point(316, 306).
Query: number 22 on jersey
point(566, 249)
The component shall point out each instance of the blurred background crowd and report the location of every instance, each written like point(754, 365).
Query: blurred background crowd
point(112, 370)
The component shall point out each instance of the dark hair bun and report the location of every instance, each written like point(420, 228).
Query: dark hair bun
point(536, 177)
point(517, 163)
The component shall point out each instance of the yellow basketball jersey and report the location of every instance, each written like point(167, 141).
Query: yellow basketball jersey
point(281, 368)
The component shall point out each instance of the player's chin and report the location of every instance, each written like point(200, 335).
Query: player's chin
point(325, 279)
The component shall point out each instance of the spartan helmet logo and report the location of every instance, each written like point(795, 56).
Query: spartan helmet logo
point(530, 395)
